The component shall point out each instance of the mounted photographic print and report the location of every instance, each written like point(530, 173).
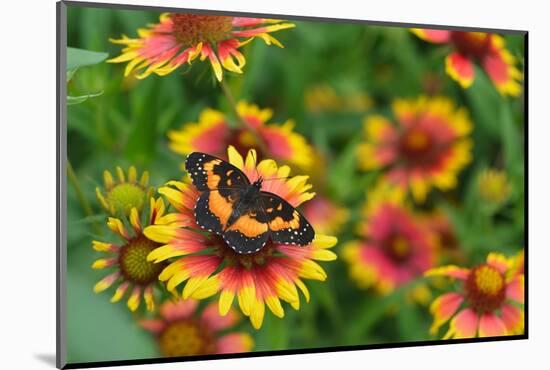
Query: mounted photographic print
point(235, 185)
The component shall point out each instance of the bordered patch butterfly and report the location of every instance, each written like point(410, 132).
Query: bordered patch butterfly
point(238, 210)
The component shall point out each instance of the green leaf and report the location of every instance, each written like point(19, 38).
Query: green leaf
point(77, 58)
point(82, 98)
point(70, 74)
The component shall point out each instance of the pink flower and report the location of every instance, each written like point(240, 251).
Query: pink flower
point(489, 303)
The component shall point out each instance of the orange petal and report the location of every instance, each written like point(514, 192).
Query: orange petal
point(434, 36)
point(515, 289)
point(490, 325)
point(513, 319)
point(443, 308)
point(460, 68)
point(464, 325)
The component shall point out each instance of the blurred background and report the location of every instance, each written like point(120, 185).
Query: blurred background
point(327, 79)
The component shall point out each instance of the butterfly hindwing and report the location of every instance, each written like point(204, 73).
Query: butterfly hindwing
point(209, 173)
point(248, 233)
point(212, 211)
point(286, 224)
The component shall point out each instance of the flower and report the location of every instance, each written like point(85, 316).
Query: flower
point(132, 270)
point(493, 186)
point(209, 266)
point(180, 38)
point(488, 303)
point(181, 330)
point(325, 215)
point(119, 197)
point(212, 134)
point(394, 248)
point(324, 98)
point(486, 49)
point(426, 147)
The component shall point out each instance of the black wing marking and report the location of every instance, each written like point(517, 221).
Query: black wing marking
point(246, 233)
point(209, 173)
point(286, 224)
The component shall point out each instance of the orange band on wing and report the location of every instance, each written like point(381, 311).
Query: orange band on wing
point(248, 226)
point(279, 224)
point(220, 207)
point(213, 180)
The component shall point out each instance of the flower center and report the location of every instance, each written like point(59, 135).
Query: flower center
point(474, 44)
point(485, 288)
point(415, 141)
point(186, 338)
point(243, 140)
point(190, 29)
point(398, 248)
point(246, 260)
point(123, 197)
point(134, 264)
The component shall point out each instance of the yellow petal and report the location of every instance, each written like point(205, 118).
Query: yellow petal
point(234, 157)
point(225, 302)
point(108, 179)
point(193, 284)
point(257, 314)
point(274, 305)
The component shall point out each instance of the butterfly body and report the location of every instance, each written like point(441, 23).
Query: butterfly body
point(240, 211)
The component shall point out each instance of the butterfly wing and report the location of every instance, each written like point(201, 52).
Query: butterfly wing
point(285, 223)
point(249, 233)
point(221, 184)
point(209, 173)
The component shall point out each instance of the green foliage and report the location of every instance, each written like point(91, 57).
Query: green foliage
point(78, 58)
point(126, 121)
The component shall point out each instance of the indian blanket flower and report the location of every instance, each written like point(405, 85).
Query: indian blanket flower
point(180, 38)
point(209, 266)
point(394, 248)
point(488, 303)
point(132, 271)
point(486, 49)
point(212, 134)
point(426, 147)
point(181, 329)
point(325, 215)
point(493, 186)
point(125, 192)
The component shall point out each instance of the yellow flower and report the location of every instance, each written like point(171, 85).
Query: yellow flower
point(212, 134)
point(181, 38)
point(493, 185)
point(132, 271)
point(120, 195)
point(427, 145)
point(208, 265)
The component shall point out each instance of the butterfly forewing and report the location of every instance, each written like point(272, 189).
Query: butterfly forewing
point(221, 184)
point(286, 224)
point(212, 173)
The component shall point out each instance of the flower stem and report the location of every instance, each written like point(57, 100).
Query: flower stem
point(243, 123)
point(73, 179)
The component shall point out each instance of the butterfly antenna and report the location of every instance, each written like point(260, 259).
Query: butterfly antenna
point(255, 164)
point(278, 178)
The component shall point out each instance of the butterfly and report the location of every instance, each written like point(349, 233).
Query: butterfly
point(239, 211)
